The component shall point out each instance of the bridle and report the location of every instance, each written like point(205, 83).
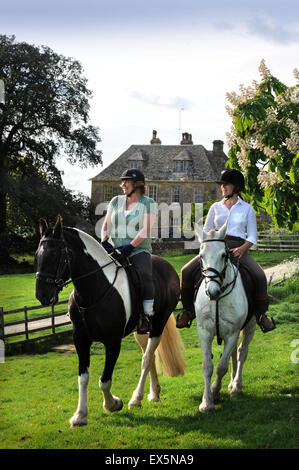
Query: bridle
point(64, 264)
point(219, 274)
point(219, 277)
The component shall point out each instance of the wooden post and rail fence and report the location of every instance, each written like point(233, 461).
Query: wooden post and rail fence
point(29, 326)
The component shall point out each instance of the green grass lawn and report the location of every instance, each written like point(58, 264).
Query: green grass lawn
point(38, 392)
point(265, 259)
point(38, 395)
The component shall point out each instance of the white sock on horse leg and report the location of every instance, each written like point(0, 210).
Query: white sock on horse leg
point(148, 307)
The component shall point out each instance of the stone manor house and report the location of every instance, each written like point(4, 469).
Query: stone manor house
point(174, 174)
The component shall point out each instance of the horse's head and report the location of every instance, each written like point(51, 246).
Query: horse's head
point(52, 260)
point(214, 255)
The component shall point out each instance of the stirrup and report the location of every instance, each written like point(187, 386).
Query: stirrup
point(144, 325)
point(264, 330)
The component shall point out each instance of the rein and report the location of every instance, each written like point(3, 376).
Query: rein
point(221, 276)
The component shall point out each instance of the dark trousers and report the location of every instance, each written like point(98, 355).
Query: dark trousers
point(246, 260)
point(143, 263)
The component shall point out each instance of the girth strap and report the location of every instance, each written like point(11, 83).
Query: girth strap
point(219, 339)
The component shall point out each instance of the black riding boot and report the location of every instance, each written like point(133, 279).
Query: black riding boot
point(144, 325)
point(266, 324)
point(184, 320)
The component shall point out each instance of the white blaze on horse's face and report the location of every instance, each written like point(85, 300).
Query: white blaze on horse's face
point(213, 255)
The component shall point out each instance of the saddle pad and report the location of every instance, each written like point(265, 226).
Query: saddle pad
point(136, 289)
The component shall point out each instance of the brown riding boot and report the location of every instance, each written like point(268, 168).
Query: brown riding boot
point(184, 320)
point(266, 324)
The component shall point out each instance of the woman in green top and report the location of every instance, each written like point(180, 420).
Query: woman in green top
point(127, 224)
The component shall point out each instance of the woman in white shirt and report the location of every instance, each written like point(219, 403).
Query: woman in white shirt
point(241, 234)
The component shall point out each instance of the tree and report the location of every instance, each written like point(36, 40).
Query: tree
point(45, 116)
point(264, 144)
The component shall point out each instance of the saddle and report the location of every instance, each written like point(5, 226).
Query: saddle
point(135, 285)
point(248, 280)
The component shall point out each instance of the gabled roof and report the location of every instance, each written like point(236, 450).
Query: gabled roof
point(138, 156)
point(183, 156)
point(158, 163)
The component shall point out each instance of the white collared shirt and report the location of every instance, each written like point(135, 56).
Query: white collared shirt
point(241, 220)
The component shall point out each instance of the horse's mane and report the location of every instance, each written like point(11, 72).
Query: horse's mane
point(92, 246)
point(84, 235)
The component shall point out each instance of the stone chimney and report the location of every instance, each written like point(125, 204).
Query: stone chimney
point(155, 140)
point(186, 139)
point(218, 148)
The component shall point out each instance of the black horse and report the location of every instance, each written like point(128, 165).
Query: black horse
point(101, 309)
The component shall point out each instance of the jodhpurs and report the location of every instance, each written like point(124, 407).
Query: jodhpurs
point(143, 263)
point(246, 260)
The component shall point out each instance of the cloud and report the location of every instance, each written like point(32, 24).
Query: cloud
point(223, 25)
point(176, 102)
point(265, 27)
point(273, 31)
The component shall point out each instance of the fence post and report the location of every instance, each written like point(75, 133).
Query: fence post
point(1, 324)
point(26, 324)
point(53, 319)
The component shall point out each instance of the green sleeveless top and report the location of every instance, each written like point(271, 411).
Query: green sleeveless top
point(126, 224)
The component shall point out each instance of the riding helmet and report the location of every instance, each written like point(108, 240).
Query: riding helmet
point(234, 177)
point(133, 174)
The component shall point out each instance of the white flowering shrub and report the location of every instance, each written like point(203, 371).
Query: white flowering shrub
point(264, 144)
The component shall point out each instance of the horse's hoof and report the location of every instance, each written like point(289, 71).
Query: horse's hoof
point(77, 420)
point(207, 409)
point(117, 406)
point(134, 404)
point(152, 397)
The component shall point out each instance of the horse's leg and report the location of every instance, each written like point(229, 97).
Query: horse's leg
point(82, 344)
point(248, 333)
point(110, 403)
point(222, 366)
point(155, 388)
point(234, 368)
point(205, 339)
point(147, 361)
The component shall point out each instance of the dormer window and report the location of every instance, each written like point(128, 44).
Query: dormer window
point(181, 166)
point(135, 164)
point(136, 160)
point(181, 162)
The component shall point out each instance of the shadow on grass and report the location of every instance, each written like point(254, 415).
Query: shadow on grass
point(252, 422)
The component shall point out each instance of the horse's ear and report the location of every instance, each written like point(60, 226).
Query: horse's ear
point(199, 232)
point(222, 231)
point(57, 230)
point(42, 227)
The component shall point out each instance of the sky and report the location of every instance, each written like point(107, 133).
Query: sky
point(159, 64)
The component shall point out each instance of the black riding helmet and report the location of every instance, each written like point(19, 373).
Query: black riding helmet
point(234, 177)
point(136, 176)
point(133, 174)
